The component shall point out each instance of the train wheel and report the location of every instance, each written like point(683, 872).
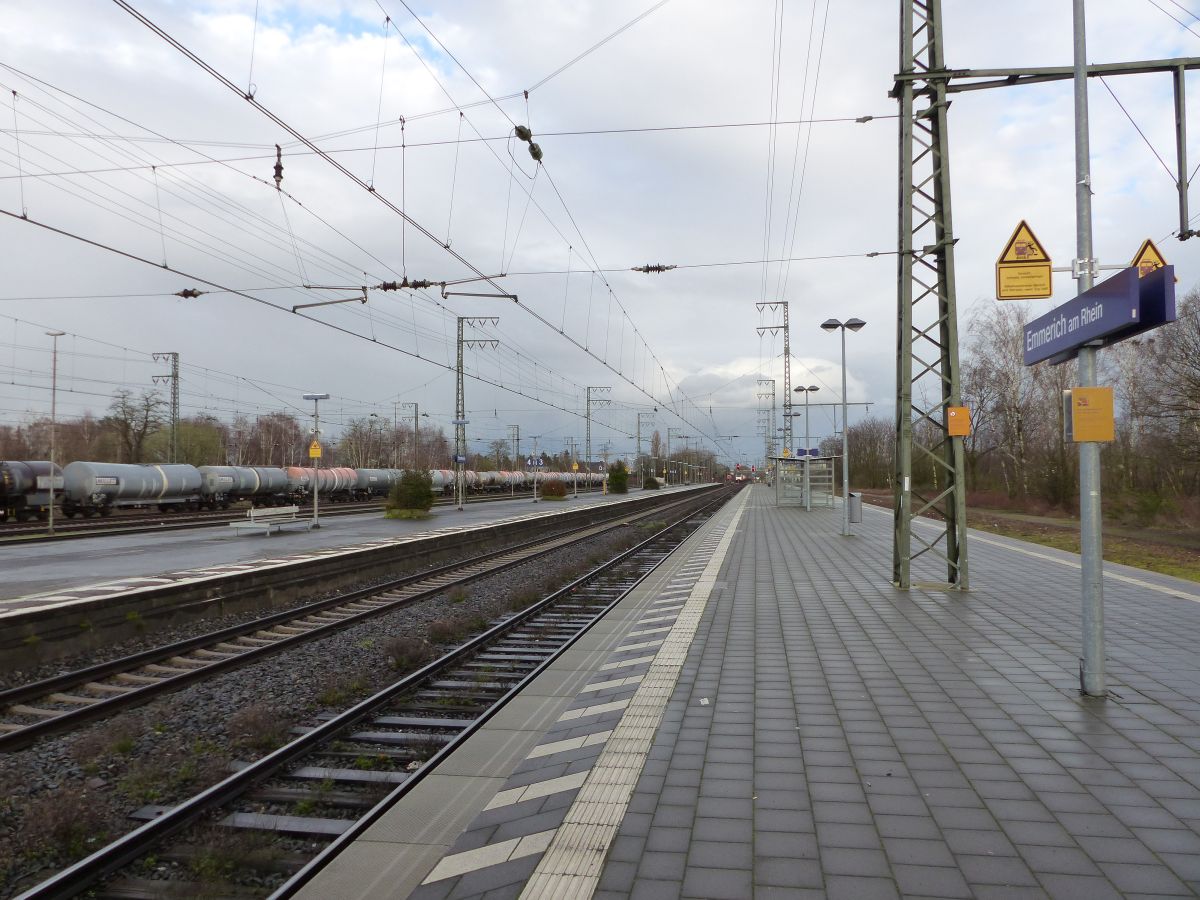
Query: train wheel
point(86, 513)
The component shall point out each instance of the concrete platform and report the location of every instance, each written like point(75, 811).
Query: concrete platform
point(770, 716)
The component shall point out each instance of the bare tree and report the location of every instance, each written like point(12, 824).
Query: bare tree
point(134, 419)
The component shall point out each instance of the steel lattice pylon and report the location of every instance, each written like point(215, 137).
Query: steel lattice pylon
point(929, 463)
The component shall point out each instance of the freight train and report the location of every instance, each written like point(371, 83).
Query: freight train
point(97, 488)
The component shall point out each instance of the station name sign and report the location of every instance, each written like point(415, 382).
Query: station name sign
point(1112, 311)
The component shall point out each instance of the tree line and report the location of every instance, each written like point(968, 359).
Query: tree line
point(1016, 454)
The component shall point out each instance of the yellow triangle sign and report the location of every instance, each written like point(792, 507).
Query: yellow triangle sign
point(1024, 247)
point(1147, 259)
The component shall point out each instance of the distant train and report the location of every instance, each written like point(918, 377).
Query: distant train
point(97, 488)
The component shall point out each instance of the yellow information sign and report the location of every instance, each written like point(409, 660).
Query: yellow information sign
point(314, 450)
point(958, 421)
point(1147, 259)
point(1092, 414)
point(1023, 269)
point(574, 467)
point(786, 452)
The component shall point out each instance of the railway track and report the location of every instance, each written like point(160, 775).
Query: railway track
point(308, 799)
point(67, 701)
point(143, 522)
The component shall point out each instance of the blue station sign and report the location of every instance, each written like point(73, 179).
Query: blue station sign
point(1116, 309)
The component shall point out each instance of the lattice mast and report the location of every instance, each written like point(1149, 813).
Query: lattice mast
point(775, 306)
point(173, 358)
point(927, 368)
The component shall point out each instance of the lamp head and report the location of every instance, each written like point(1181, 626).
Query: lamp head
point(855, 324)
point(55, 333)
point(316, 396)
point(831, 324)
point(813, 387)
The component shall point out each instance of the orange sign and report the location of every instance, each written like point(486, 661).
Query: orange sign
point(1023, 269)
point(1092, 414)
point(958, 421)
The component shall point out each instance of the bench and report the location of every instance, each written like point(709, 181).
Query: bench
point(272, 517)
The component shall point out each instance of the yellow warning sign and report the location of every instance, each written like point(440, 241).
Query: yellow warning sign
point(1147, 259)
point(314, 450)
point(1092, 414)
point(958, 421)
point(574, 467)
point(1023, 269)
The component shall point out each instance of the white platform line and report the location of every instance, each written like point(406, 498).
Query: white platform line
point(571, 867)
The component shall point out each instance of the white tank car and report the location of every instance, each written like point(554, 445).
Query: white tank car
point(90, 487)
point(222, 485)
point(376, 482)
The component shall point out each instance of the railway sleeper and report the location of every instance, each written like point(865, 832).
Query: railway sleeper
point(131, 678)
point(348, 776)
point(22, 709)
point(409, 721)
point(102, 688)
point(334, 799)
point(165, 670)
point(187, 662)
point(128, 888)
point(75, 699)
point(469, 685)
point(297, 826)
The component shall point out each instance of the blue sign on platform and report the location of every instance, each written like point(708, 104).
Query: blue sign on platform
point(1112, 311)
point(535, 462)
point(460, 459)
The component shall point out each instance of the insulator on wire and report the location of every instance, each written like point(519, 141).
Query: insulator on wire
point(535, 151)
point(523, 133)
point(278, 167)
point(188, 293)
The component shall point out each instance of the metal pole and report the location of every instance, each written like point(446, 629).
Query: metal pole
point(1091, 677)
point(54, 336)
point(845, 446)
point(416, 437)
point(807, 458)
point(316, 522)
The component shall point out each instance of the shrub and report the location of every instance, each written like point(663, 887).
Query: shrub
point(414, 491)
point(258, 727)
point(67, 822)
point(404, 654)
point(618, 478)
point(552, 489)
point(651, 484)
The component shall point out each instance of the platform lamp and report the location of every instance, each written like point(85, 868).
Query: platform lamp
point(314, 450)
point(807, 455)
point(54, 336)
point(853, 325)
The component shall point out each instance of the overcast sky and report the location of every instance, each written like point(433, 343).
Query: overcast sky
point(118, 137)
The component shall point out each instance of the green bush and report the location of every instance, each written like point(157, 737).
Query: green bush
point(618, 478)
point(414, 491)
point(651, 484)
point(552, 488)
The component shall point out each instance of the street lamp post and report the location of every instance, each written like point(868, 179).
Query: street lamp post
point(54, 336)
point(807, 456)
point(853, 325)
point(316, 455)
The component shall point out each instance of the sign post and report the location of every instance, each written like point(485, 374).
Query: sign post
point(1023, 269)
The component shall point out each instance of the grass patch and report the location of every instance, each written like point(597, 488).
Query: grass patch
point(1178, 562)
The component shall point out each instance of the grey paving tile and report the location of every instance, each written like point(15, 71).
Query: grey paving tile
point(718, 884)
point(853, 887)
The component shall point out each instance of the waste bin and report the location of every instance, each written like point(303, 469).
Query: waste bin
point(855, 507)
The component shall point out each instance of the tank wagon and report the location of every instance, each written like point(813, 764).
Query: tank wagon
point(90, 487)
point(97, 488)
point(222, 486)
point(25, 489)
point(375, 482)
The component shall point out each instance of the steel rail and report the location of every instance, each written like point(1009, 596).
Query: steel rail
point(72, 718)
point(78, 877)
